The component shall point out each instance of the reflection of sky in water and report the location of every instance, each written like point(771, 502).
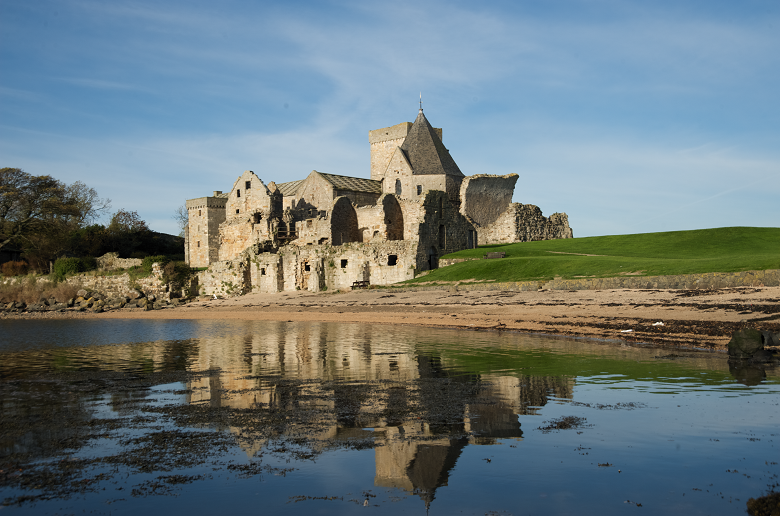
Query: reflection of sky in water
point(676, 428)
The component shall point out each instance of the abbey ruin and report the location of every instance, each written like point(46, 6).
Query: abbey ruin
point(330, 232)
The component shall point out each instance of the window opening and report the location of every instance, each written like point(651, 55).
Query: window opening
point(238, 193)
point(306, 267)
point(419, 189)
point(237, 210)
point(392, 259)
point(198, 244)
point(247, 185)
point(398, 187)
point(343, 264)
point(262, 272)
point(308, 223)
point(442, 237)
point(198, 213)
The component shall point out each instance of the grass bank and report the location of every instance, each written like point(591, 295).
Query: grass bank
point(649, 254)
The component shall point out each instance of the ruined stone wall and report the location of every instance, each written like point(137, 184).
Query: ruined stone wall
point(243, 202)
point(314, 230)
point(343, 222)
point(224, 278)
point(485, 197)
point(524, 223)
point(205, 214)
point(438, 227)
point(121, 285)
point(112, 262)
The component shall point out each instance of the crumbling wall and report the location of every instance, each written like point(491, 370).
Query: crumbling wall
point(121, 285)
point(344, 226)
point(225, 278)
point(249, 196)
point(483, 198)
point(525, 223)
point(112, 262)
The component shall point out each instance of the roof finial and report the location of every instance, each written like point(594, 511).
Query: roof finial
point(420, 102)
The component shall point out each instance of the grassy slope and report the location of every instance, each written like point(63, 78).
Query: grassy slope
point(649, 254)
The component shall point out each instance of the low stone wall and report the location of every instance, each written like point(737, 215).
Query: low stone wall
point(112, 262)
point(119, 285)
point(710, 280)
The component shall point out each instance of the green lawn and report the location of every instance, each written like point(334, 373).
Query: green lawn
point(649, 254)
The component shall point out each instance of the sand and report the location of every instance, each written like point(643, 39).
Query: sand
point(703, 319)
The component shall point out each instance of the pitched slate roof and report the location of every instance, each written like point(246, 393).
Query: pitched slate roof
point(353, 184)
point(425, 151)
point(290, 188)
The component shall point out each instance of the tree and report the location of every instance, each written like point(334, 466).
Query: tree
point(182, 218)
point(37, 213)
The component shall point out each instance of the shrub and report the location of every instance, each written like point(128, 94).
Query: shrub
point(15, 268)
point(176, 272)
point(30, 290)
point(146, 265)
point(67, 266)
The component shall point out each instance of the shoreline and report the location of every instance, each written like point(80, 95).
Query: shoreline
point(701, 319)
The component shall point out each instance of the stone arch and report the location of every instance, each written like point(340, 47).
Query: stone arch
point(393, 217)
point(344, 222)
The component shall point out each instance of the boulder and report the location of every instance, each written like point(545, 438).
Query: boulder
point(745, 343)
point(141, 303)
point(135, 294)
point(83, 293)
point(152, 298)
point(770, 339)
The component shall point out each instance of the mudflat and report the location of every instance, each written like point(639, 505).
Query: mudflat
point(685, 318)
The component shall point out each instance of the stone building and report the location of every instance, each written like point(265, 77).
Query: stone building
point(329, 231)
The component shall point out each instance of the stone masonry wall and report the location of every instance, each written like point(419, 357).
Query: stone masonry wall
point(120, 285)
point(483, 198)
point(205, 214)
point(524, 223)
point(112, 262)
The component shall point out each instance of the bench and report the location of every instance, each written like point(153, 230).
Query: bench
point(360, 284)
point(490, 256)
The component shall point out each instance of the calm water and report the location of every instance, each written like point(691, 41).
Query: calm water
point(117, 417)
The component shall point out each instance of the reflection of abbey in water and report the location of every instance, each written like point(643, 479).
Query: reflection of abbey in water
point(420, 409)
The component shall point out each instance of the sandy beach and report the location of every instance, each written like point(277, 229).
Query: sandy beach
point(703, 319)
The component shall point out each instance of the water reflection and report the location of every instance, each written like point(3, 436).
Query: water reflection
point(420, 401)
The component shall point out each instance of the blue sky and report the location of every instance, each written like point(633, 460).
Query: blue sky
point(631, 116)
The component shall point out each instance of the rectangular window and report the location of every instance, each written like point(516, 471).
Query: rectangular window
point(238, 193)
point(392, 259)
point(306, 267)
point(262, 272)
point(419, 189)
point(247, 185)
point(237, 210)
point(198, 213)
point(343, 264)
point(198, 244)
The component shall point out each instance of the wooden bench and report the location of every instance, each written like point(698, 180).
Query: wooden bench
point(490, 256)
point(360, 284)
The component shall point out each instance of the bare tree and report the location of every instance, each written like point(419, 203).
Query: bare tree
point(182, 218)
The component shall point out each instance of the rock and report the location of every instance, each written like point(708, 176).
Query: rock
point(141, 303)
point(770, 339)
point(135, 294)
point(20, 305)
point(43, 301)
point(82, 293)
point(71, 302)
point(151, 297)
point(745, 343)
point(762, 355)
point(79, 300)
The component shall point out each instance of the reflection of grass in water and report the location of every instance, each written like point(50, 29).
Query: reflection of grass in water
point(484, 360)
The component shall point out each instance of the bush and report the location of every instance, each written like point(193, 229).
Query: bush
point(15, 268)
point(67, 267)
point(29, 290)
point(176, 273)
point(146, 265)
